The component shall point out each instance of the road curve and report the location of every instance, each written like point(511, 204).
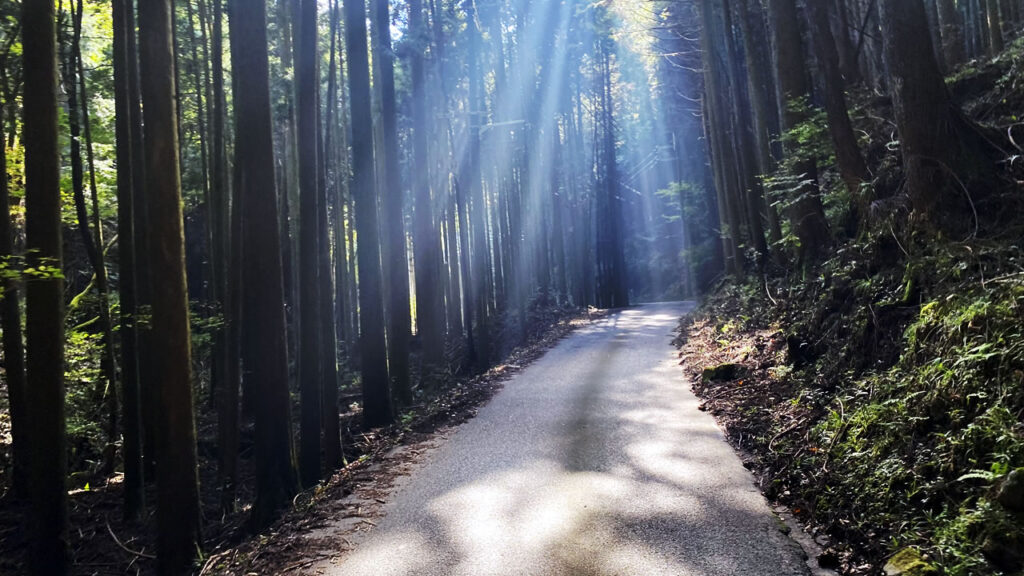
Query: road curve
point(593, 461)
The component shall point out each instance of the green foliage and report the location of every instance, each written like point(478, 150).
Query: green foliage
point(808, 140)
point(44, 270)
point(206, 324)
point(919, 445)
point(913, 398)
point(673, 199)
point(82, 373)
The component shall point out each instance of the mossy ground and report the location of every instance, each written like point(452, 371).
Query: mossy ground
point(883, 413)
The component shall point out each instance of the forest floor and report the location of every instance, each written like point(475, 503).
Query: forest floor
point(881, 399)
point(103, 544)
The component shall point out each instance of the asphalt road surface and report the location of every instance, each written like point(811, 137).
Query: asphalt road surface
point(594, 461)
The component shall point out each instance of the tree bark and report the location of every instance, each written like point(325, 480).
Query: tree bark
point(952, 33)
point(750, 191)
point(995, 27)
point(310, 367)
point(44, 293)
point(148, 374)
point(762, 100)
point(935, 29)
point(718, 130)
point(396, 270)
point(124, 117)
point(178, 532)
point(426, 246)
point(940, 149)
point(328, 317)
point(372, 345)
point(852, 167)
point(806, 213)
point(844, 43)
point(474, 186)
point(267, 365)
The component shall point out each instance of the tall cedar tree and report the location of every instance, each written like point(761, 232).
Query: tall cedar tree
point(218, 199)
point(474, 184)
point(44, 293)
point(940, 147)
point(429, 304)
point(178, 535)
point(718, 129)
point(751, 193)
point(392, 201)
point(852, 167)
point(952, 33)
point(227, 254)
point(806, 213)
point(328, 306)
point(143, 281)
point(377, 409)
point(267, 365)
point(763, 106)
point(131, 451)
point(995, 27)
point(310, 368)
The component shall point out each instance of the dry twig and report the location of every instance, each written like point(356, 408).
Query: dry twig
point(125, 548)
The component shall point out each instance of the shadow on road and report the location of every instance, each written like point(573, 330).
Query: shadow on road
point(594, 461)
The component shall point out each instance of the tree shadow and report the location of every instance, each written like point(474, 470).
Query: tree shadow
point(595, 461)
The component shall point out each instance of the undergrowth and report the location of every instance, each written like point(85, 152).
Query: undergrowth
point(896, 398)
point(881, 397)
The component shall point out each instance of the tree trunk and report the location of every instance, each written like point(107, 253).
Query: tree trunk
point(148, 374)
point(751, 193)
point(372, 343)
point(44, 294)
point(228, 421)
point(178, 534)
point(952, 33)
point(762, 100)
point(719, 132)
point(612, 291)
point(474, 185)
point(328, 315)
point(310, 368)
point(806, 213)
point(844, 43)
point(124, 116)
point(995, 27)
point(396, 271)
point(940, 149)
point(852, 168)
point(218, 196)
point(426, 246)
point(267, 365)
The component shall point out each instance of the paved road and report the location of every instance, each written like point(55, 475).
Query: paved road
point(593, 461)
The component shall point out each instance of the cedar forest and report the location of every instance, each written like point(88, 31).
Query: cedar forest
point(248, 243)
